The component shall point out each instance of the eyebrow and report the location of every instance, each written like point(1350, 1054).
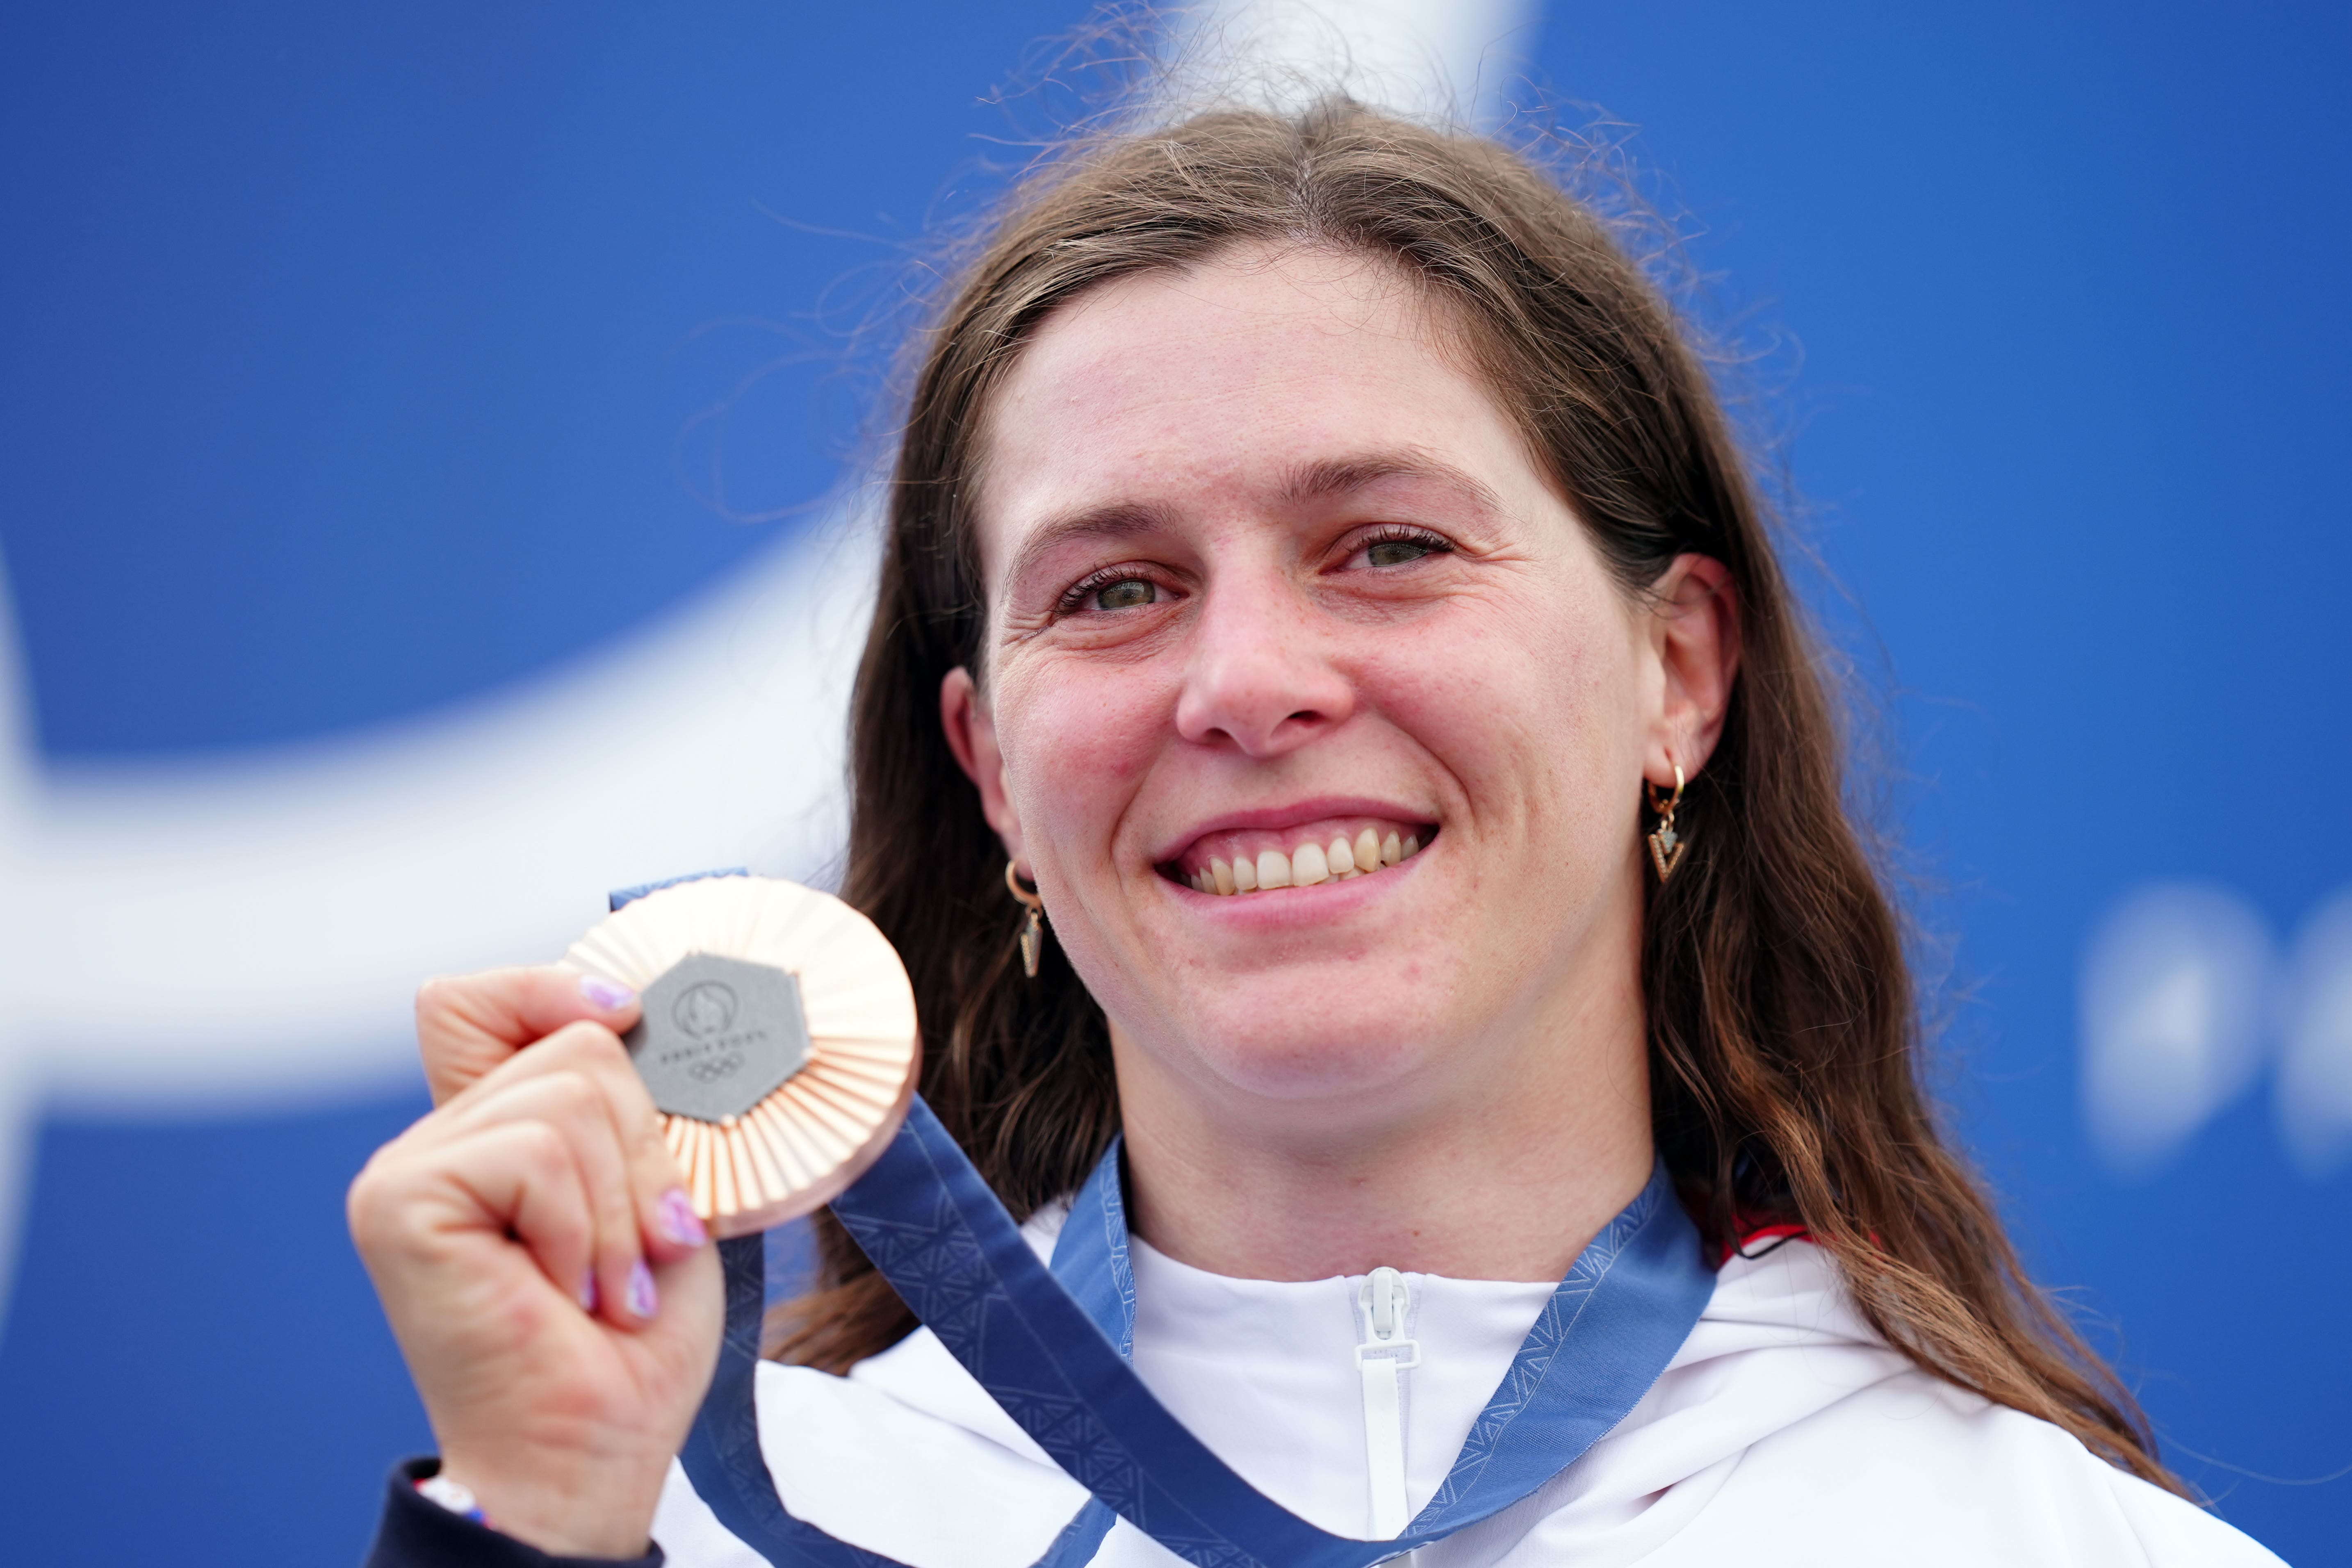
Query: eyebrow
point(1324, 479)
point(1331, 478)
point(1121, 520)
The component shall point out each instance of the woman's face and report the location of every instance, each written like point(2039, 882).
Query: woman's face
point(1273, 583)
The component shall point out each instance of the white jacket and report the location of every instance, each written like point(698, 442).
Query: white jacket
point(1784, 1432)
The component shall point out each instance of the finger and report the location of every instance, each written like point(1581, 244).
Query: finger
point(665, 1216)
point(576, 1105)
point(469, 1026)
point(522, 1176)
point(583, 1046)
point(415, 1205)
point(664, 1226)
point(572, 1106)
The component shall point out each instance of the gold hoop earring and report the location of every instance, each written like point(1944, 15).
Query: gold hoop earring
point(1666, 847)
point(1033, 929)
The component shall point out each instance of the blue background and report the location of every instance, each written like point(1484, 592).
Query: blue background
point(353, 362)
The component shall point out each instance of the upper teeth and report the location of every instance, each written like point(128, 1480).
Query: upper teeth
point(1307, 863)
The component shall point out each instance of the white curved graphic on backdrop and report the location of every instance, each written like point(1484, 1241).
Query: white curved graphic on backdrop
point(2314, 1071)
point(2175, 989)
point(249, 931)
point(1439, 62)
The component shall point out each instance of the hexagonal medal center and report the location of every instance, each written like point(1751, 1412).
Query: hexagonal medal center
point(718, 1035)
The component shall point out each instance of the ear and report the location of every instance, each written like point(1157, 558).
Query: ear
point(972, 736)
point(1694, 635)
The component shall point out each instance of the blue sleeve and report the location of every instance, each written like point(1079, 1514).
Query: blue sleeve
point(417, 1532)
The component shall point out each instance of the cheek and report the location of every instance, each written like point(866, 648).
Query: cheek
point(1077, 743)
point(1524, 701)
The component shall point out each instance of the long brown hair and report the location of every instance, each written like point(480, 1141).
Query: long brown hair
point(1784, 1035)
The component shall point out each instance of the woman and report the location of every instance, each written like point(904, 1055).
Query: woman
point(1318, 566)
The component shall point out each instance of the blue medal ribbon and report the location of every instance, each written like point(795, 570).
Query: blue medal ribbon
point(1051, 1345)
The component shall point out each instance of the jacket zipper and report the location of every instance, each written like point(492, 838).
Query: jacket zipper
point(1383, 1358)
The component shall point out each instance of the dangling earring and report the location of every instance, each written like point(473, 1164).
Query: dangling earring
point(1033, 929)
point(1667, 847)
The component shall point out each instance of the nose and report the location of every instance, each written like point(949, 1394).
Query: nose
point(1260, 677)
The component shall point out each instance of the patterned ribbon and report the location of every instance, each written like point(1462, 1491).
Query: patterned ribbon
point(1051, 1345)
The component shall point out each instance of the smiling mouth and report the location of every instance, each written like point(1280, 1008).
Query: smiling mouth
point(1257, 860)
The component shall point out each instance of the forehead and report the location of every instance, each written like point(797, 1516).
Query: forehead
point(1214, 386)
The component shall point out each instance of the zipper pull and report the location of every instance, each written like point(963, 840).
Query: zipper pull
point(1384, 1356)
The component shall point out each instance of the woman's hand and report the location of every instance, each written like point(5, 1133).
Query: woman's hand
point(538, 1260)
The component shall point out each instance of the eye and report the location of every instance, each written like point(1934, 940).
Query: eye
point(1394, 552)
point(1126, 594)
point(1113, 588)
point(1401, 546)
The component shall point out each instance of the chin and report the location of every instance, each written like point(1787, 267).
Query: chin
point(1257, 1039)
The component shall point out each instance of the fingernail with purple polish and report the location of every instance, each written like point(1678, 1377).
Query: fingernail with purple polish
point(609, 994)
point(643, 1299)
point(678, 1220)
point(589, 1295)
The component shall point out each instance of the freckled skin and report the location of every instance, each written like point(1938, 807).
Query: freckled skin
point(1440, 1065)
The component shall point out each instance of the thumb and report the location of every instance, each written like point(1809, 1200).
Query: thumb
point(467, 1026)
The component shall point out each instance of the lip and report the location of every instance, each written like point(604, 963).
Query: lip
point(1326, 906)
point(1275, 818)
